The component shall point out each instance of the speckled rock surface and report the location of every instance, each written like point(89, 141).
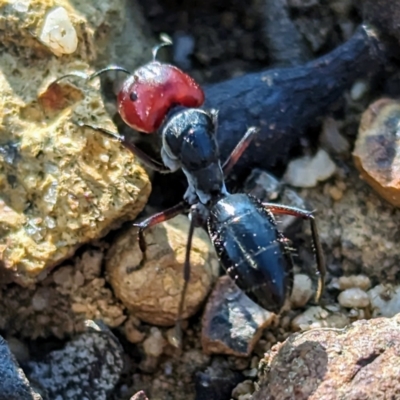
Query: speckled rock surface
point(359, 231)
point(152, 292)
point(61, 185)
point(359, 362)
point(376, 150)
point(59, 304)
point(13, 382)
point(232, 323)
point(88, 367)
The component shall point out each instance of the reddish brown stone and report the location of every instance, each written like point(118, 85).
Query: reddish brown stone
point(361, 362)
point(376, 153)
point(232, 323)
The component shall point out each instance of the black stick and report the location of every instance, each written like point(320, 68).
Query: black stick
point(283, 103)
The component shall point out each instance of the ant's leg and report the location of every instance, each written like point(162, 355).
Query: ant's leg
point(238, 150)
point(296, 212)
point(157, 219)
point(186, 278)
point(140, 154)
point(196, 219)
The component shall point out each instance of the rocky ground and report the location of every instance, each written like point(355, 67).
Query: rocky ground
point(85, 316)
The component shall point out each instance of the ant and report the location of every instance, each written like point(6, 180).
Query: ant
point(159, 97)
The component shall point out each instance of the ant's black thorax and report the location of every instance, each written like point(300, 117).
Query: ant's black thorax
point(189, 142)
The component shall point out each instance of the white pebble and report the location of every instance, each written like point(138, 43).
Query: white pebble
point(317, 317)
point(104, 158)
point(353, 298)
point(354, 281)
point(302, 291)
point(250, 373)
point(58, 33)
point(21, 5)
point(358, 90)
point(155, 343)
point(311, 318)
point(331, 138)
point(243, 388)
point(385, 300)
point(246, 396)
point(40, 300)
point(308, 171)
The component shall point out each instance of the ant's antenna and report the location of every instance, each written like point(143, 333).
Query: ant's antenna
point(82, 75)
point(165, 41)
point(107, 69)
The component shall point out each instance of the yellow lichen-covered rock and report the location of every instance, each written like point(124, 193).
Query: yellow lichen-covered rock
point(60, 185)
point(152, 292)
point(88, 30)
point(23, 27)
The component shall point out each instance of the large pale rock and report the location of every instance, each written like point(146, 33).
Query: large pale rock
point(152, 292)
point(359, 362)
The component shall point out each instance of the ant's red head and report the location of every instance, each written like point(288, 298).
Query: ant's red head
point(152, 90)
point(147, 95)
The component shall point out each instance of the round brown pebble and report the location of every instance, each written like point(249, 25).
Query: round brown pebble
point(354, 281)
point(152, 291)
point(335, 193)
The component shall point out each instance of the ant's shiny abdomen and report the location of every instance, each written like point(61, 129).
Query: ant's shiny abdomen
point(251, 249)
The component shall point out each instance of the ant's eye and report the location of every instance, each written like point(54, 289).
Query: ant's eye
point(133, 96)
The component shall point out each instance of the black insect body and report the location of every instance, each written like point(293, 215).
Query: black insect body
point(251, 249)
point(243, 230)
